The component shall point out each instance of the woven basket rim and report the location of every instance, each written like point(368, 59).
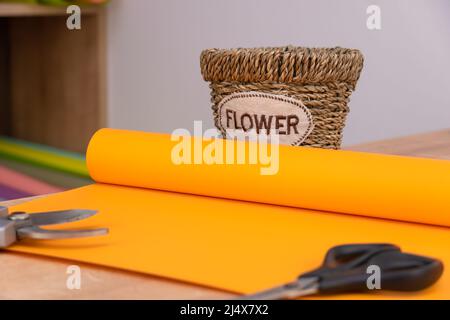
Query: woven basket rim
point(286, 64)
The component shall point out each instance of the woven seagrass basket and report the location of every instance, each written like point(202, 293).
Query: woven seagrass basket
point(321, 78)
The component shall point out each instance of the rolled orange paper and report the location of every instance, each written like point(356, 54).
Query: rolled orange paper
point(382, 186)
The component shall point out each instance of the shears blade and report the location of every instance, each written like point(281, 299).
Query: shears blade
point(299, 288)
point(61, 216)
point(20, 225)
point(43, 234)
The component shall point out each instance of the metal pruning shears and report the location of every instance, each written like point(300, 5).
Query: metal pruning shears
point(345, 270)
point(21, 225)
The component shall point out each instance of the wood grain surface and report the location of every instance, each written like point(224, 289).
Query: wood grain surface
point(32, 277)
point(52, 80)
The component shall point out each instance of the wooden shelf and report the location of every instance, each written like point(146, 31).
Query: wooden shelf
point(32, 10)
point(52, 80)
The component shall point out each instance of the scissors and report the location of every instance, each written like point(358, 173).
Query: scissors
point(20, 225)
point(345, 269)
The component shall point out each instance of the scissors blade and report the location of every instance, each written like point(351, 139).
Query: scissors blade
point(301, 287)
point(43, 234)
point(62, 216)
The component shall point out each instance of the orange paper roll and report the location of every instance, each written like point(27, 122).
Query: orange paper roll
point(392, 187)
point(184, 221)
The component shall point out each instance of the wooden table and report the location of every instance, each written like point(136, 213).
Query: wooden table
point(33, 277)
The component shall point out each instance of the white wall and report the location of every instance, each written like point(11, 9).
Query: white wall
point(154, 46)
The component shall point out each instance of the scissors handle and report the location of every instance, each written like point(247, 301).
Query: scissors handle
point(350, 256)
point(345, 269)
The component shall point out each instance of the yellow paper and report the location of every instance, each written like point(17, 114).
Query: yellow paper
point(244, 246)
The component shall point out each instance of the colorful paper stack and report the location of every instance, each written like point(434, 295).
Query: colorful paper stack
point(29, 169)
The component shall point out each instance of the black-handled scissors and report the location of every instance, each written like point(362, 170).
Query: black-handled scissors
point(345, 270)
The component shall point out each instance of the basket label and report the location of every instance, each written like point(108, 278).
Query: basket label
point(266, 113)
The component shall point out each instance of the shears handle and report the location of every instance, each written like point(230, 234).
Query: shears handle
point(345, 269)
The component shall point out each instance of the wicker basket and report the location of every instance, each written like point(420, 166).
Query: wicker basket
point(321, 78)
